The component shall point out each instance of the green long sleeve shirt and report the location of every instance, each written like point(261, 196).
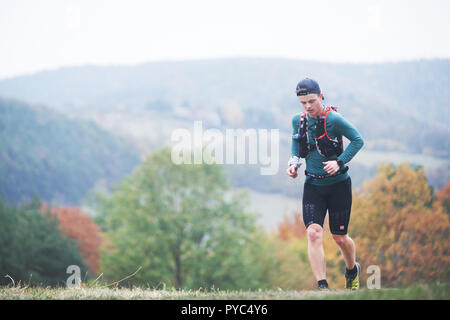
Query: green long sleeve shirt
point(337, 127)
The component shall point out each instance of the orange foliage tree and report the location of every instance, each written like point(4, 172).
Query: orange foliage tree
point(443, 198)
point(396, 226)
point(292, 226)
point(396, 223)
point(77, 225)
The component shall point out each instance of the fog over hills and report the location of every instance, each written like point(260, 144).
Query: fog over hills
point(399, 108)
point(254, 82)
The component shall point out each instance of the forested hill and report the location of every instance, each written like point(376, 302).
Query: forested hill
point(44, 153)
point(397, 106)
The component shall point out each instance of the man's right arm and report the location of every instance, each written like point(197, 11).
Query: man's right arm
point(295, 145)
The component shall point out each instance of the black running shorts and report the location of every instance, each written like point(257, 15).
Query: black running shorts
point(336, 198)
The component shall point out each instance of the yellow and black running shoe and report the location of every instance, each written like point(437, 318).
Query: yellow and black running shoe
point(353, 283)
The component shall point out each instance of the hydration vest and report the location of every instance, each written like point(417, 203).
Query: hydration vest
point(327, 147)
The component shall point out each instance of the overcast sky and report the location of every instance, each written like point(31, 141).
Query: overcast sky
point(47, 34)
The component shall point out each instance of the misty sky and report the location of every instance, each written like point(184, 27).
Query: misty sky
point(47, 34)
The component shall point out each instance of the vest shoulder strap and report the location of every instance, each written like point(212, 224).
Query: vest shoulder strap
point(328, 109)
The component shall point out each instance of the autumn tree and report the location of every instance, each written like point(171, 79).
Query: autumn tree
point(396, 226)
point(292, 226)
point(443, 198)
point(32, 249)
point(396, 223)
point(77, 225)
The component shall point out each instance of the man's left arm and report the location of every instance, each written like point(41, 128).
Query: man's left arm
point(349, 131)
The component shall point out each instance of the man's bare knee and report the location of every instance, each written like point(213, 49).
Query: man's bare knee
point(340, 239)
point(315, 234)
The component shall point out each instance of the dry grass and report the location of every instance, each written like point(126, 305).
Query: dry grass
point(433, 291)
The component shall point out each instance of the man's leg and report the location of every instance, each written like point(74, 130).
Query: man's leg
point(348, 250)
point(315, 251)
point(353, 269)
point(314, 211)
point(340, 204)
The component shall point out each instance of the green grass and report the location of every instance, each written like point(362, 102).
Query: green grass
point(419, 291)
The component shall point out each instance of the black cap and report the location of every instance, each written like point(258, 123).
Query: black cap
point(307, 86)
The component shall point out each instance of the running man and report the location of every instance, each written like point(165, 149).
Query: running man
point(317, 137)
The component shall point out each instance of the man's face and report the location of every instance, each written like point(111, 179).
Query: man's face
point(312, 104)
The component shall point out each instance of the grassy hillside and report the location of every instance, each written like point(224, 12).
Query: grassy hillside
point(44, 153)
point(422, 292)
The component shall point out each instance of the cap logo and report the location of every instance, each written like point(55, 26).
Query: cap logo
point(302, 91)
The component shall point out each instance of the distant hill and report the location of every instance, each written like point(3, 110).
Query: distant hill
point(396, 106)
point(399, 108)
point(44, 153)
